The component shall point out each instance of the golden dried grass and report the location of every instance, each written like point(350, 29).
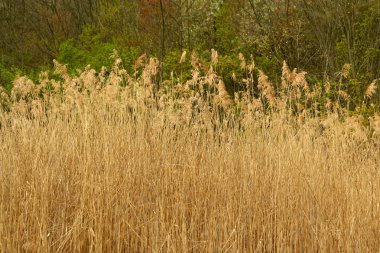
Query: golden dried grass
point(89, 165)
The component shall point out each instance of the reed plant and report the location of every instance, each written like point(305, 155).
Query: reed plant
point(113, 161)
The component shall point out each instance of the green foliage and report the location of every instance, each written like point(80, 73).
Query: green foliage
point(91, 49)
point(224, 29)
point(8, 75)
point(359, 46)
point(229, 67)
point(171, 66)
point(270, 66)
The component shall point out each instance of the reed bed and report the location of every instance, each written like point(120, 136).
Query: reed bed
point(119, 162)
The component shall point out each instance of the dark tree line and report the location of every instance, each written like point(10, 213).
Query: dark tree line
point(316, 35)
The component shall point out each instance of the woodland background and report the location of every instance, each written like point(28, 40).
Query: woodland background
point(318, 36)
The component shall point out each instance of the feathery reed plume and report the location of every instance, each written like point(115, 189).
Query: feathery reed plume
point(183, 57)
point(214, 56)
point(61, 69)
point(211, 76)
point(115, 54)
point(371, 90)
point(328, 104)
point(195, 61)
point(233, 76)
point(222, 91)
point(243, 64)
point(345, 72)
point(266, 88)
point(343, 94)
point(300, 80)
point(139, 62)
point(327, 86)
point(223, 95)
point(286, 76)
point(286, 72)
point(195, 77)
point(116, 57)
point(153, 66)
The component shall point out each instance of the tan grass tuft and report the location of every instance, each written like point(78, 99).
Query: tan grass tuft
point(371, 90)
point(139, 62)
point(266, 88)
point(343, 94)
point(345, 72)
point(195, 61)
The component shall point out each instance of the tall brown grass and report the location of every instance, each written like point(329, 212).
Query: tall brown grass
point(112, 162)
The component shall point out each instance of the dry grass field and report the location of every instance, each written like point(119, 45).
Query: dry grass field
point(110, 162)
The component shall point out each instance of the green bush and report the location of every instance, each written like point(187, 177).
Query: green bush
point(8, 75)
point(171, 66)
point(90, 48)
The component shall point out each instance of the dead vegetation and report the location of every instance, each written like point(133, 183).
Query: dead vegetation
point(112, 162)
